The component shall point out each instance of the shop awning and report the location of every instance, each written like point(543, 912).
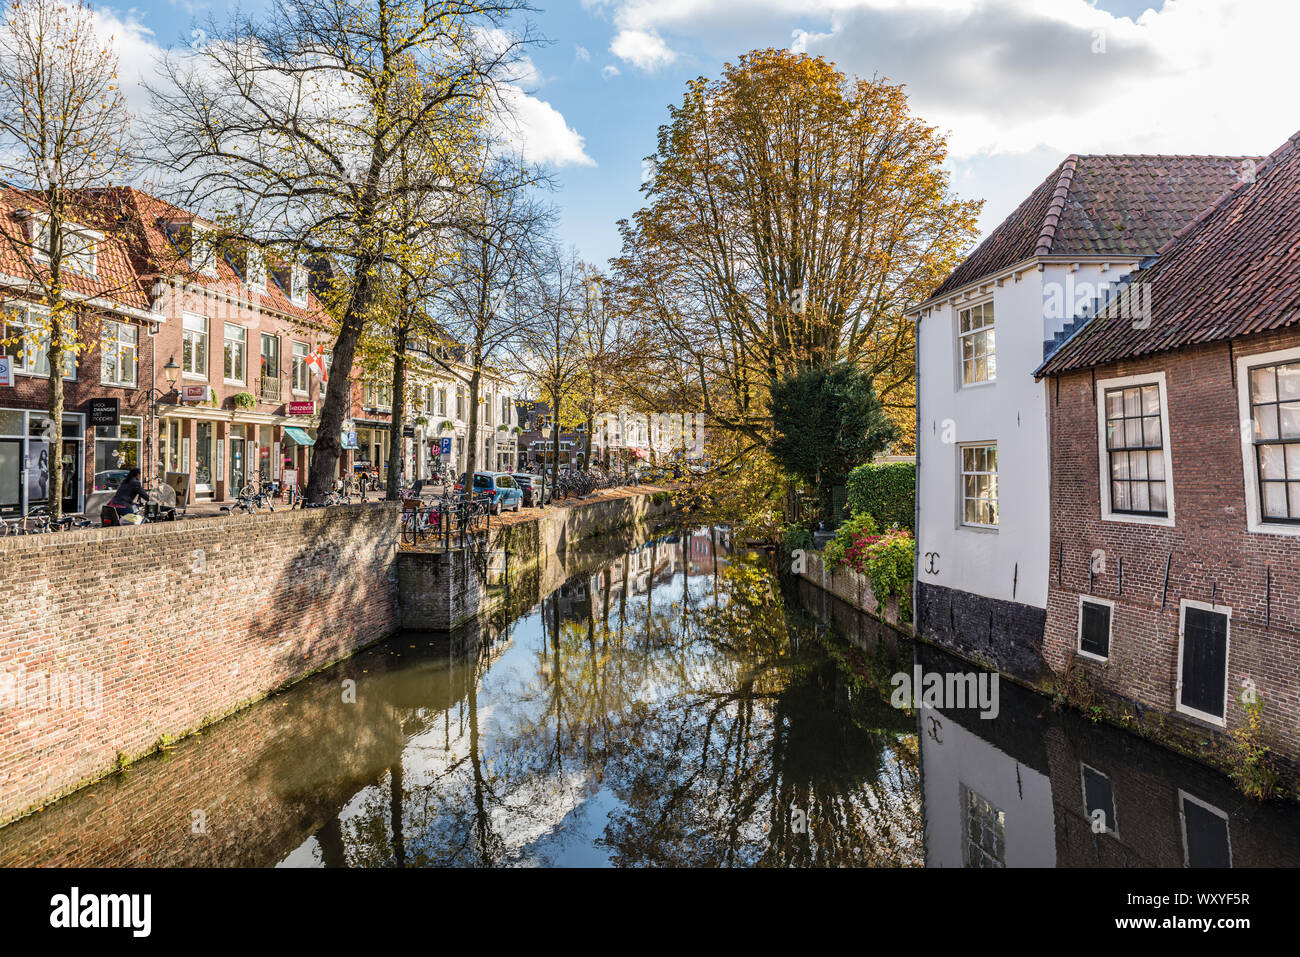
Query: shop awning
point(299, 436)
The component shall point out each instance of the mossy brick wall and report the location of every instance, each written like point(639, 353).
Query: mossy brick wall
point(852, 587)
point(179, 624)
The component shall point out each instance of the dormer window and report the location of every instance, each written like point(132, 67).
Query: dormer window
point(255, 270)
point(298, 283)
point(196, 244)
point(203, 250)
point(79, 247)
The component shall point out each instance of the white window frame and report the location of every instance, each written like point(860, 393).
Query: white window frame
point(1110, 628)
point(1183, 798)
point(961, 486)
point(225, 339)
point(1103, 454)
point(31, 344)
point(135, 350)
point(373, 395)
point(41, 252)
point(207, 347)
point(1226, 611)
point(299, 364)
point(298, 285)
point(255, 269)
point(1112, 826)
point(958, 309)
point(208, 263)
point(1254, 510)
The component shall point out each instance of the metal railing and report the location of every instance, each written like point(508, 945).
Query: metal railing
point(449, 522)
point(270, 389)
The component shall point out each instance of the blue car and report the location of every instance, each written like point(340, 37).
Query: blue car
point(502, 491)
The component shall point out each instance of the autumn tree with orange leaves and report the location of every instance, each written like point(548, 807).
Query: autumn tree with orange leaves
point(792, 214)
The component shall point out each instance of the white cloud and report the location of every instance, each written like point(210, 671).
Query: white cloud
point(644, 50)
point(540, 132)
point(137, 51)
point(1017, 82)
point(533, 127)
point(609, 70)
point(581, 53)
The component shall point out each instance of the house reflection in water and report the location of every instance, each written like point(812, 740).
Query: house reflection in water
point(1042, 787)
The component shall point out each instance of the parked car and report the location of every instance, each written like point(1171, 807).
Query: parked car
point(531, 486)
point(499, 488)
point(109, 479)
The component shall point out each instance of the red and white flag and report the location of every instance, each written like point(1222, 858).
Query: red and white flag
point(316, 363)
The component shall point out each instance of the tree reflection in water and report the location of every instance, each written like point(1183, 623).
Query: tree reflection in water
point(668, 709)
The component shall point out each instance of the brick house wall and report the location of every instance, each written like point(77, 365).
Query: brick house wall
point(1210, 554)
point(182, 622)
point(270, 410)
point(31, 392)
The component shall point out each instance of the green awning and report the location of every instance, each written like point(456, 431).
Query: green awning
point(299, 436)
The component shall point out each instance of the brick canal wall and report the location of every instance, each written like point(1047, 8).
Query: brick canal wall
point(115, 640)
point(441, 591)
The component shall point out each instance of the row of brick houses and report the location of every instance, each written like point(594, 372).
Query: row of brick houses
point(216, 358)
point(206, 351)
point(1123, 504)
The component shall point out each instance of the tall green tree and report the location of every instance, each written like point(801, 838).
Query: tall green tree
point(827, 420)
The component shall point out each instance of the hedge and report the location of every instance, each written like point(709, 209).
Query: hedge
point(886, 492)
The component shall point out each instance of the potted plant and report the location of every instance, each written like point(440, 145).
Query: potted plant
point(421, 420)
point(446, 426)
point(244, 400)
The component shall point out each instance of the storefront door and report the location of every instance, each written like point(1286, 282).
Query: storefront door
point(71, 476)
point(238, 466)
point(203, 477)
point(11, 476)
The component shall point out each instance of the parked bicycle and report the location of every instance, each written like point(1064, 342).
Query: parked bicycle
point(39, 521)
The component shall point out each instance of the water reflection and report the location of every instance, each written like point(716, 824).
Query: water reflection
point(668, 704)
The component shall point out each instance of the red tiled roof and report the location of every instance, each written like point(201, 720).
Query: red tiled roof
point(115, 279)
point(1105, 205)
point(1232, 271)
point(158, 256)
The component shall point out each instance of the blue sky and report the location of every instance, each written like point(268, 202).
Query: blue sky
point(1018, 84)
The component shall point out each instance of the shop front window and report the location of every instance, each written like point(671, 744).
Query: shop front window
point(118, 446)
point(39, 465)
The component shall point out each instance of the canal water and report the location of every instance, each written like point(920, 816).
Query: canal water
point(671, 704)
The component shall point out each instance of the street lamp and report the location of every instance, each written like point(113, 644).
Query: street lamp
point(171, 372)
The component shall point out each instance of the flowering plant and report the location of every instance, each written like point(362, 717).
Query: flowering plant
point(886, 559)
